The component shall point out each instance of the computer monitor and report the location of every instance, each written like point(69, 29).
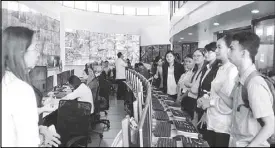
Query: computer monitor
point(59, 79)
point(49, 84)
point(72, 72)
point(65, 77)
point(38, 76)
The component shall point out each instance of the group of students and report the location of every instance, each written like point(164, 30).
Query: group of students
point(219, 87)
point(20, 111)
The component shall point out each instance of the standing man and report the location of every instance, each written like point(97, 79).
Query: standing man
point(252, 114)
point(121, 64)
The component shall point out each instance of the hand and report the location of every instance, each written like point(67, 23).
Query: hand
point(51, 139)
point(202, 120)
point(199, 103)
point(205, 103)
point(155, 76)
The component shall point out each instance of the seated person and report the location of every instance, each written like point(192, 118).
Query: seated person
point(143, 70)
point(107, 70)
point(81, 92)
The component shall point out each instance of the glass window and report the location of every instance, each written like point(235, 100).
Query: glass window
point(129, 11)
point(117, 9)
point(68, 3)
point(91, 6)
point(80, 5)
point(24, 8)
point(105, 8)
point(142, 11)
point(176, 5)
point(181, 3)
point(154, 11)
point(13, 6)
point(5, 4)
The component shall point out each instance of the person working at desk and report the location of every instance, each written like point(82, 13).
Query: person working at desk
point(81, 92)
point(18, 99)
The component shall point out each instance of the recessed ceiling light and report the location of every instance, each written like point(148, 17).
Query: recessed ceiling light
point(190, 33)
point(181, 38)
point(216, 24)
point(255, 11)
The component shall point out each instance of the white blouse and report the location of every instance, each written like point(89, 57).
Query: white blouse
point(171, 82)
point(19, 113)
point(219, 114)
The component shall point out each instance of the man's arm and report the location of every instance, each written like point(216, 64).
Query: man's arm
point(266, 131)
point(261, 105)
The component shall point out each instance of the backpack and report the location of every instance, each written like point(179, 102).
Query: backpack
point(269, 83)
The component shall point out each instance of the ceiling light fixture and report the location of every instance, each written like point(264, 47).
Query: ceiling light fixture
point(216, 24)
point(181, 38)
point(255, 11)
point(190, 33)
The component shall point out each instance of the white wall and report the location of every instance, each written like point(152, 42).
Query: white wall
point(155, 35)
point(204, 12)
point(205, 37)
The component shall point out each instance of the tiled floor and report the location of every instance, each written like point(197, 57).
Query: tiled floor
point(115, 115)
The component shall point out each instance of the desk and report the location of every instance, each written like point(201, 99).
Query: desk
point(54, 103)
point(174, 132)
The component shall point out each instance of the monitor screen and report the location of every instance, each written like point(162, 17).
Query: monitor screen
point(59, 79)
point(65, 76)
point(38, 76)
point(72, 72)
point(49, 84)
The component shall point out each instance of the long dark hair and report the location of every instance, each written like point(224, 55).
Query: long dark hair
point(15, 42)
point(169, 51)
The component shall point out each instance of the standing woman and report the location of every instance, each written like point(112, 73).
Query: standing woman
point(189, 102)
point(159, 73)
point(172, 71)
point(186, 77)
point(19, 107)
point(208, 75)
point(218, 104)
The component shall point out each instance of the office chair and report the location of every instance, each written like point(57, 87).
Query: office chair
point(73, 123)
point(94, 86)
point(95, 117)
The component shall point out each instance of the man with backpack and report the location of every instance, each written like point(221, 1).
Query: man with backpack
point(253, 108)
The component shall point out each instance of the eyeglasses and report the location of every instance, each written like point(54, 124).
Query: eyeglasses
point(197, 56)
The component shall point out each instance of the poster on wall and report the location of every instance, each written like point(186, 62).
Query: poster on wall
point(47, 29)
point(83, 47)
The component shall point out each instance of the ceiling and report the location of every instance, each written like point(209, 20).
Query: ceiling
point(133, 3)
point(232, 17)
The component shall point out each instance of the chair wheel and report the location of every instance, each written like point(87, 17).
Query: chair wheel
point(101, 136)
